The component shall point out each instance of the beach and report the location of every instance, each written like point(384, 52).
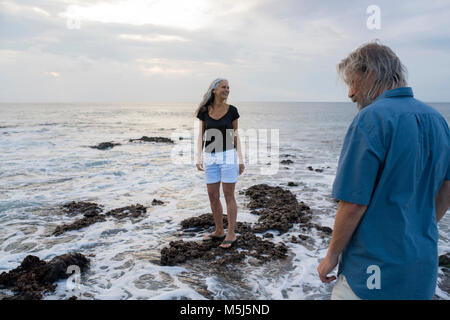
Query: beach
point(49, 160)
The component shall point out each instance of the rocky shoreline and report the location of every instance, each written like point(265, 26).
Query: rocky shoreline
point(109, 144)
point(278, 210)
point(34, 277)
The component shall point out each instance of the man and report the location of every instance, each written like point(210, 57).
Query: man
point(393, 183)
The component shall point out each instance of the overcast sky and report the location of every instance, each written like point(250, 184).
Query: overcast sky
point(170, 50)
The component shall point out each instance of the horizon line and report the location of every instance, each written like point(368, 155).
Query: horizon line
point(193, 102)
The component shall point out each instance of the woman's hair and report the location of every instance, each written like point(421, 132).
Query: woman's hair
point(377, 61)
point(208, 97)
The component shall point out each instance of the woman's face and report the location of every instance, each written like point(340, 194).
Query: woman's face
point(222, 91)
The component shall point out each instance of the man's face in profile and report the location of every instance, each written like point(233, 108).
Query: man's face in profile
point(357, 90)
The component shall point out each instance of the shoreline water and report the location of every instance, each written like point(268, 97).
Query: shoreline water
point(47, 162)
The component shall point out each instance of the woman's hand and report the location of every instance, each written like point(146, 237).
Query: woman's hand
point(241, 168)
point(200, 166)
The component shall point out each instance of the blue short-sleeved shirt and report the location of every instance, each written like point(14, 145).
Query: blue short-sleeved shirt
point(395, 157)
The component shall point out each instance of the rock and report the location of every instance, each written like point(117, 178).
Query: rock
point(286, 161)
point(444, 260)
point(91, 212)
point(105, 145)
point(35, 276)
point(279, 208)
point(156, 202)
point(292, 184)
point(133, 211)
point(206, 221)
point(153, 139)
point(79, 224)
point(249, 244)
point(316, 170)
point(88, 209)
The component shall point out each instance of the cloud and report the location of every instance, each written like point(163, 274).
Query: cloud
point(269, 50)
point(151, 38)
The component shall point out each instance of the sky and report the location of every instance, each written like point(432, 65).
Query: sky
point(171, 50)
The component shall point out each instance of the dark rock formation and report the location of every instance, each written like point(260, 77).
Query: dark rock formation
point(249, 244)
point(133, 211)
point(153, 139)
point(88, 209)
point(286, 161)
point(292, 184)
point(79, 224)
point(157, 202)
point(91, 212)
point(277, 208)
point(105, 145)
point(35, 276)
point(316, 170)
point(444, 260)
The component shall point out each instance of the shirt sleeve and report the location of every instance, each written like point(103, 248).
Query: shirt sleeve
point(201, 115)
point(359, 163)
point(235, 114)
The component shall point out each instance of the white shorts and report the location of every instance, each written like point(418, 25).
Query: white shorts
point(342, 290)
point(221, 166)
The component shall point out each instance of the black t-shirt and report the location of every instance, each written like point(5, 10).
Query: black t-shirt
point(217, 129)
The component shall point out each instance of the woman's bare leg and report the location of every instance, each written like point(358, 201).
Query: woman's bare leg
point(228, 192)
point(216, 207)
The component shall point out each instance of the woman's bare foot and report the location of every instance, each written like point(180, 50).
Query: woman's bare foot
point(228, 242)
point(214, 236)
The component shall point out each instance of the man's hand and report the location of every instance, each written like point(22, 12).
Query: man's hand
point(241, 168)
point(347, 219)
point(325, 267)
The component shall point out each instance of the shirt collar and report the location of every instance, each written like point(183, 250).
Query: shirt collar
point(397, 92)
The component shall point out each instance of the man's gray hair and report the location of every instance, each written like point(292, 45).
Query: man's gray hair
point(377, 64)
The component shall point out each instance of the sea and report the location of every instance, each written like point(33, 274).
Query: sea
point(46, 161)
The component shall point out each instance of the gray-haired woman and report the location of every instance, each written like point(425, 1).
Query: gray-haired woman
point(222, 157)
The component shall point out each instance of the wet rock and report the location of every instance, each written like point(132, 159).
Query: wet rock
point(88, 209)
point(153, 139)
point(444, 260)
point(91, 212)
point(325, 230)
point(157, 202)
point(292, 184)
point(79, 224)
point(248, 243)
point(206, 221)
point(286, 161)
point(34, 276)
point(133, 211)
point(105, 145)
point(278, 208)
point(316, 170)
point(300, 238)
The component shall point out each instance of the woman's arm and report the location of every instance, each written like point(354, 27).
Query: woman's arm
point(237, 143)
point(201, 132)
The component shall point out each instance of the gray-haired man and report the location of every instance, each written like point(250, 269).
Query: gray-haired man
point(393, 180)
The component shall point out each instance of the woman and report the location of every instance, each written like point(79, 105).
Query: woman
point(222, 160)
